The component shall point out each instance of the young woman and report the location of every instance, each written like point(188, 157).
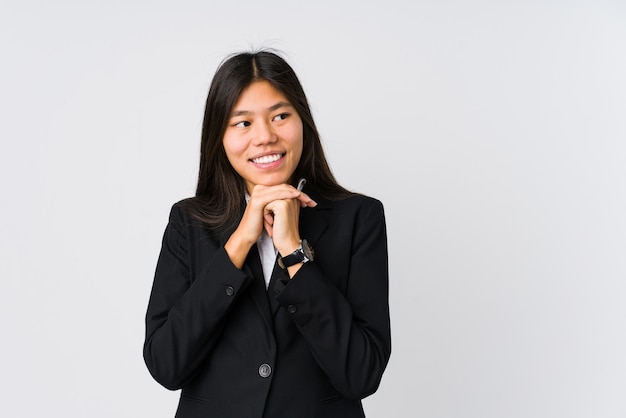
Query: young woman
point(270, 297)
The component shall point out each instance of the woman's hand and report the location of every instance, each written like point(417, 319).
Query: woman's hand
point(275, 208)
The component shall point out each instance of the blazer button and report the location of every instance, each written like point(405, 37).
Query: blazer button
point(265, 370)
point(230, 291)
point(292, 309)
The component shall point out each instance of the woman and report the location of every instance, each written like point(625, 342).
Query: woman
point(245, 316)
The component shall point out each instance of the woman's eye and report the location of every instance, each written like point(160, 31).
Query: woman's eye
point(242, 124)
point(282, 116)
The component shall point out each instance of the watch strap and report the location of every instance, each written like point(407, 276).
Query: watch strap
point(298, 256)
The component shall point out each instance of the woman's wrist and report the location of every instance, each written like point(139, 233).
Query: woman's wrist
point(288, 248)
point(237, 249)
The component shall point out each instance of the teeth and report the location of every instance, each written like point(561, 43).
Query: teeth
point(266, 159)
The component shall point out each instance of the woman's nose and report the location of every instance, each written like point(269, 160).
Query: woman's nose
point(264, 134)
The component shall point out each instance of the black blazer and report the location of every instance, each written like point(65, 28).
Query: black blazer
point(313, 346)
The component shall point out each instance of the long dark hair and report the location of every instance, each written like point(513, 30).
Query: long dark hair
point(220, 192)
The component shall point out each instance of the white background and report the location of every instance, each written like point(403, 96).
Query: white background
point(493, 131)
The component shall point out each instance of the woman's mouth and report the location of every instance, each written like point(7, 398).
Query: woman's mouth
point(267, 159)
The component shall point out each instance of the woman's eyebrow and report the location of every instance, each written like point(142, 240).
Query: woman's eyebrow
point(270, 109)
point(279, 105)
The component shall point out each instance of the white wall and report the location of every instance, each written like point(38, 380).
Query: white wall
point(493, 131)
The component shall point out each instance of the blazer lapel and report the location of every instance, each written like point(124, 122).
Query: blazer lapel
point(257, 290)
point(276, 286)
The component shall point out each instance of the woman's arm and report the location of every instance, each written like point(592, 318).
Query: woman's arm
point(187, 308)
point(348, 334)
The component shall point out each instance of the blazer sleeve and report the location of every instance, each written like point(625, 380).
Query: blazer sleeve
point(188, 302)
point(348, 332)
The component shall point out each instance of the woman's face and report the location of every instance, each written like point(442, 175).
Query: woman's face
point(263, 138)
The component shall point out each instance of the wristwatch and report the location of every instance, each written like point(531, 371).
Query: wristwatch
point(302, 254)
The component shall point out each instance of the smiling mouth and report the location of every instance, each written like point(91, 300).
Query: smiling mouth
point(267, 159)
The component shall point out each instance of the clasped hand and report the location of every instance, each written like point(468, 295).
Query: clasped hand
point(275, 209)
